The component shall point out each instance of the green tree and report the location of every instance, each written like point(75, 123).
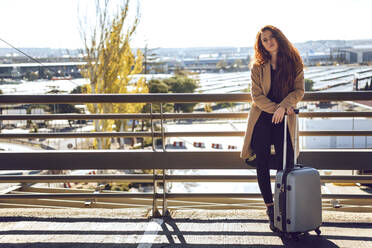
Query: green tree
point(111, 65)
point(309, 84)
point(156, 86)
point(182, 84)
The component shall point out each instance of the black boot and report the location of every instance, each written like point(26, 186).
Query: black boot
point(270, 214)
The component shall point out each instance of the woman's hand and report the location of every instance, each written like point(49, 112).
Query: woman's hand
point(290, 111)
point(278, 115)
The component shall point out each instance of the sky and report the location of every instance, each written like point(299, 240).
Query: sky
point(189, 23)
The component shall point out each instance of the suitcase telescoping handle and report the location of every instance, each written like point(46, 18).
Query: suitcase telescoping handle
point(296, 111)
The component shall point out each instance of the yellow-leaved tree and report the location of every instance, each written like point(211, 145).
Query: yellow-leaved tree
point(111, 65)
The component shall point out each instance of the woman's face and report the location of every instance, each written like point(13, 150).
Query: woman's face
point(269, 41)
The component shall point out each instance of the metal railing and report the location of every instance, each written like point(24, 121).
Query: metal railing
point(160, 160)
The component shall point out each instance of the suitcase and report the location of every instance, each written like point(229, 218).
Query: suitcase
point(297, 199)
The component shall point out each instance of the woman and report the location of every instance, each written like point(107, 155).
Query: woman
point(277, 85)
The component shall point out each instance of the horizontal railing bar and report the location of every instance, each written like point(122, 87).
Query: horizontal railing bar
point(204, 134)
point(257, 195)
point(180, 202)
point(168, 196)
point(103, 203)
point(337, 159)
point(76, 135)
point(238, 115)
point(171, 134)
point(337, 96)
point(169, 178)
point(242, 133)
point(253, 178)
point(116, 134)
point(76, 196)
point(76, 178)
point(77, 116)
point(125, 98)
point(126, 116)
point(174, 97)
point(336, 133)
point(346, 179)
point(335, 114)
point(108, 205)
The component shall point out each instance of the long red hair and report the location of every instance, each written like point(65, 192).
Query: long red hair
point(289, 61)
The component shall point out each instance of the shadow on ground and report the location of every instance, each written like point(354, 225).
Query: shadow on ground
point(174, 235)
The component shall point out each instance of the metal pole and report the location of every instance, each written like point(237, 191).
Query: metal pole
point(165, 189)
point(352, 172)
point(152, 128)
point(155, 210)
point(352, 128)
point(161, 126)
point(295, 141)
point(285, 144)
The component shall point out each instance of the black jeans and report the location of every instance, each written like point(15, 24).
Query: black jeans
point(264, 134)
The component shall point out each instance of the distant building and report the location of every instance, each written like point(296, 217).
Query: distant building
point(356, 54)
point(316, 58)
point(215, 63)
point(46, 70)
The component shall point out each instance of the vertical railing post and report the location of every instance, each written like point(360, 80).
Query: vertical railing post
point(155, 210)
point(165, 204)
point(165, 191)
point(152, 128)
point(162, 128)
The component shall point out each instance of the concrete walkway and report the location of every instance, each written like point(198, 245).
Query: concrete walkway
point(51, 228)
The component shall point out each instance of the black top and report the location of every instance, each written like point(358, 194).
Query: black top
point(274, 88)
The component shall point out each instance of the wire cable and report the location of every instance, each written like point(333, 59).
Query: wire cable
point(33, 59)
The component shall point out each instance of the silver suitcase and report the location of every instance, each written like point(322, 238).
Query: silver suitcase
point(297, 199)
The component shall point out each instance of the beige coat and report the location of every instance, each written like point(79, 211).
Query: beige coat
point(261, 82)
